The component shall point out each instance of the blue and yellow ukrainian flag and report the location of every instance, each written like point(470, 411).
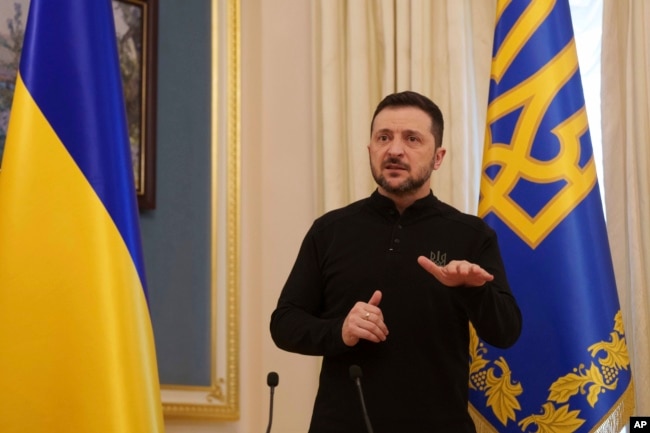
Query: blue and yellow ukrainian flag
point(570, 370)
point(76, 344)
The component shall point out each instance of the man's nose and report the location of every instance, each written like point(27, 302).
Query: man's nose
point(396, 147)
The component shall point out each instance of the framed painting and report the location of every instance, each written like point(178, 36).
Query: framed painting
point(136, 33)
point(194, 266)
point(136, 28)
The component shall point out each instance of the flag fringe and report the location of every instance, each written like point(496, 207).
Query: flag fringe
point(619, 414)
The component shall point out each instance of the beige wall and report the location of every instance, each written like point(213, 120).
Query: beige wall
point(278, 206)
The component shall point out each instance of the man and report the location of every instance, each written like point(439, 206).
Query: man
point(390, 283)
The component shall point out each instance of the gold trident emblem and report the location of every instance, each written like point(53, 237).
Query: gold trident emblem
point(513, 163)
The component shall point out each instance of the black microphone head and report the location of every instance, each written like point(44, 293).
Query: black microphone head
point(355, 372)
point(272, 379)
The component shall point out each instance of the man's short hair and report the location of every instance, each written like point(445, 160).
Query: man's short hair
point(414, 99)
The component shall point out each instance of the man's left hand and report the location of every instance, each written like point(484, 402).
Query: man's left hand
point(457, 273)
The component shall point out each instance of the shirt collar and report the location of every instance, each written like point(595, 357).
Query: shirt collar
point(384, 205)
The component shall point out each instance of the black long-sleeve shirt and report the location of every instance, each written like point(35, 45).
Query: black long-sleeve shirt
point(417, 380)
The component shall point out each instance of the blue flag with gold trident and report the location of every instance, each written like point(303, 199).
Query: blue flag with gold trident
point(570, 370)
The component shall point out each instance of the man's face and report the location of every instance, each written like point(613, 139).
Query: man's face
point(402, 151)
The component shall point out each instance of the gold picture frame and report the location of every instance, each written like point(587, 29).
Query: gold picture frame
point(220, 400)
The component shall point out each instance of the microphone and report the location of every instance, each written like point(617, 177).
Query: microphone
point(356, 374)
point(272, 380)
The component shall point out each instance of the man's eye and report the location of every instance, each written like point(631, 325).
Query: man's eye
point(382, 138)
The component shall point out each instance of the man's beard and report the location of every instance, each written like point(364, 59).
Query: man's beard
point(408, 186)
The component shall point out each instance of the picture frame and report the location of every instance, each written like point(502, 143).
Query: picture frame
point(136, 33)
point(136, 28)
point(208, 308)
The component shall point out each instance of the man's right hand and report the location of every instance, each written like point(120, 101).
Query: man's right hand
point(365, 321)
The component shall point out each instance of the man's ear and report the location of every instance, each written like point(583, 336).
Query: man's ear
point(438, 157)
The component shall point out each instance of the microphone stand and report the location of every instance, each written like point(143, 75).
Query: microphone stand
point(355, 375)
point(272, 381)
